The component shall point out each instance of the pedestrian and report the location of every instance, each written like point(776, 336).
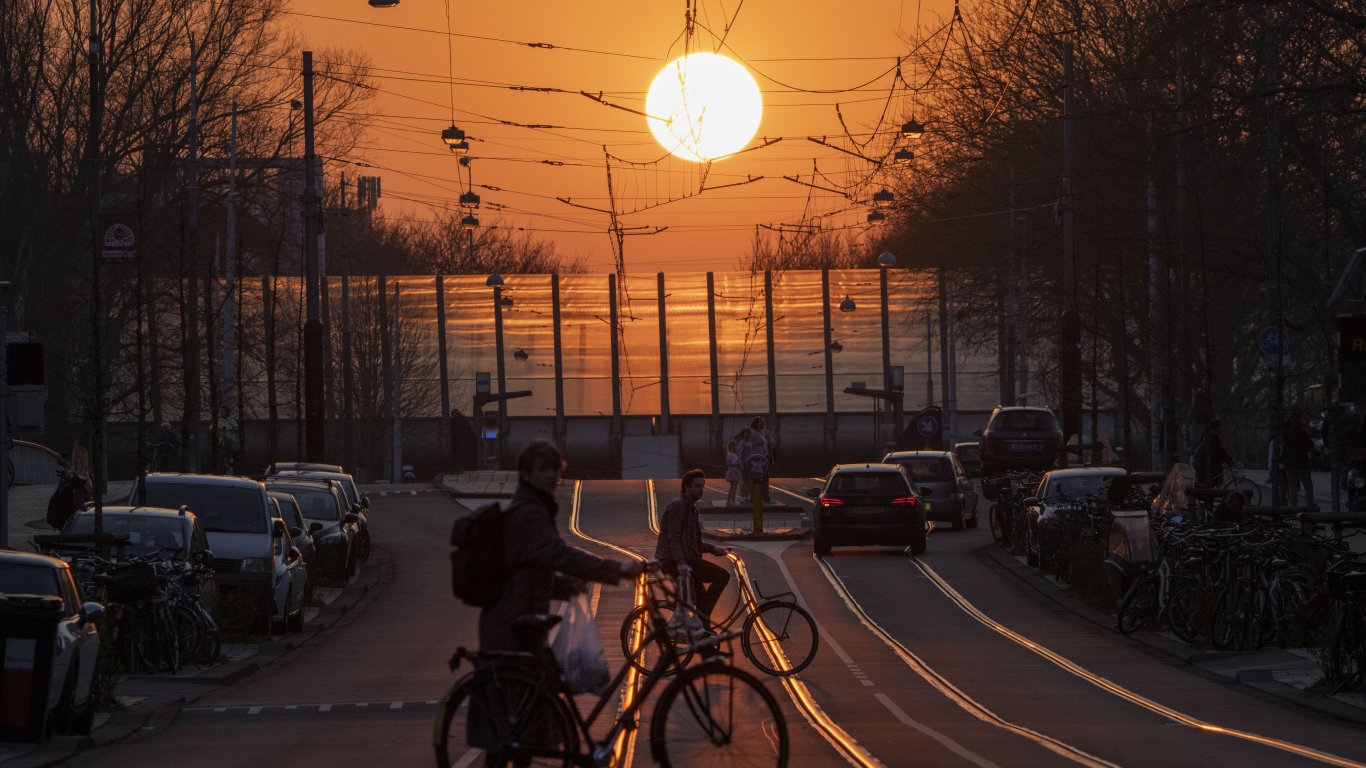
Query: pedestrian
point(732, 471)
point(166, 448)
point(225, 432)
point(754, 460)
point(72, 493)
point(680, 547)
point(1297, 457)
point(759, 426)
point(1210, 456)
point(743, 446)
point(538, 559)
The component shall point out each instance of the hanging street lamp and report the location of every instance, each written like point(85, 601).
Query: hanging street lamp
point(912, 130)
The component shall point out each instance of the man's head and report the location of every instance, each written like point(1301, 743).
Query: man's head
point(539, 465)
point(757, 424)
point(693, 483)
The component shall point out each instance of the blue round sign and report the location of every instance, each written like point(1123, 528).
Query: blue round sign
point(1273, 341)
point(927, 425)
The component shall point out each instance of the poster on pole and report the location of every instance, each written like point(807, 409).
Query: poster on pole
point(118, 239)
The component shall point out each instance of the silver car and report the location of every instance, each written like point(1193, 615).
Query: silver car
point(39, 582)
point(942, 483)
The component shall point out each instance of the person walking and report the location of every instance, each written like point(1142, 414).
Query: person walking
point(732, 471)
point(1210, 456)
point(1297, 457)
point(538, 559)
point(761, 429)
point(742, 445)
point(166, 448)
point(679, 548)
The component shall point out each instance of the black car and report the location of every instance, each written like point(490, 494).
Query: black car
point(868, 505)
point(360, 503)
point(335, 528)
point(1020, 437)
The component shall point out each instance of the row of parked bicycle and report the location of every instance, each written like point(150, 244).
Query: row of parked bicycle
point(1184, 560)
point(188, 553)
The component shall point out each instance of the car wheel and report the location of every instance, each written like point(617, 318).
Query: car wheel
point(294, 622)
point(365, 545)
point(972, 521)
point(957, 522)
point(1031, 545)
point(918, 538)
point(822, 543)
point(64, 716)
point(83, 723)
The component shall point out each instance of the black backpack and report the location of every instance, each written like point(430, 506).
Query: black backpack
point(478, 569)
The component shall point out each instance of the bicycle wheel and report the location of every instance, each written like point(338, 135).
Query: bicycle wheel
point(1139, 607)
point(791, 634)
point(644, 652)
point(1185, 612)
point(507, 715)
point(1230, 623)
point(715, 714)
point(999, 532)
point(1248, 488)
point(189, 631)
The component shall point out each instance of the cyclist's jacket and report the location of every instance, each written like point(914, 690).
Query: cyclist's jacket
point(680, 536)
point(535, 553)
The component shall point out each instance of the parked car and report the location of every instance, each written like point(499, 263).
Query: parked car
point(1020, 437)
point(176, 532)
point(1056, 488)
point(289, 582)
point(306, 466)
point(297, 525)
point(943, 486)
point(359, 502)
point(335, 529)
point(236, 515)
point(36, 581)
point(969, 454)
point(868, 505)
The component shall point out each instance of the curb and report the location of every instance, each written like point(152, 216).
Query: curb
point(797, 534)
point(1258, 679)
point(156, 710)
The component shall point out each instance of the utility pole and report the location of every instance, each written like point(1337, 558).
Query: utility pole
point(945, 375)
point(96, 284)
point(227, 395)
point(315, 428)
point(444, 439)
point(396, 430)
point(5, 472)
point(1069, 355)
point(192, 429)
point(663, 358)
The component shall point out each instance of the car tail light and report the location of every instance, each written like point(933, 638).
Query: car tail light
point(906, 501)
point(827, 501)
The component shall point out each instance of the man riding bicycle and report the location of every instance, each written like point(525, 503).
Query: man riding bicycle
point(680, 546)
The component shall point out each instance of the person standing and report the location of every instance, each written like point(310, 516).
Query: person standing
point(680, 547)
point(1297, 457)
point(732, 471)
point(536, 556)
point(166, 448)
point(1210, 456)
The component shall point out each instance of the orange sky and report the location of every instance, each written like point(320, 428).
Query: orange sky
point(810, 45)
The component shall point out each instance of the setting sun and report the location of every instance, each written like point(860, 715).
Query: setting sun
point(703, 106)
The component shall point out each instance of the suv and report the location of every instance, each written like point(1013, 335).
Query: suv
point(236, 514)
point(868, 504)
point(1020, 437)
point(945, 490)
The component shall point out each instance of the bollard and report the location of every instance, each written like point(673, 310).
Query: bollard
point(756, 500)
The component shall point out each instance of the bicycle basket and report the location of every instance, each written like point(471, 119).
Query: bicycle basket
point(131, 583)
point(1131, 537)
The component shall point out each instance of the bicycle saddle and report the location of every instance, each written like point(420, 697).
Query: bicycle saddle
point(536, 621)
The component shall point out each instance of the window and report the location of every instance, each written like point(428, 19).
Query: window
point(929, 469)
point(29, 580)
point(146, 533)
point(221, 508)
point(317, 503)
point(1021, 421)
point(869, 483)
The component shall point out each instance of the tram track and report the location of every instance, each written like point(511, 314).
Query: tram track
point(960, 698)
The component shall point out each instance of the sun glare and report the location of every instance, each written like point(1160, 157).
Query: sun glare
point(703, 106)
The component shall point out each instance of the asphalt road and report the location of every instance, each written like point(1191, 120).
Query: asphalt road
point(944, 660)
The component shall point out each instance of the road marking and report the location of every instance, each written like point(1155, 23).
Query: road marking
point(325, 708)
point(254, 711)
point(949, 744)
point(949, 690)
point(395, 705)
point(1104, 684)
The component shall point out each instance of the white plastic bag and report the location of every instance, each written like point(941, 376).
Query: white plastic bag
point(578, 648)
point(685, 625)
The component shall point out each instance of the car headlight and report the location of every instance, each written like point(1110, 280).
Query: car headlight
point(255, 565)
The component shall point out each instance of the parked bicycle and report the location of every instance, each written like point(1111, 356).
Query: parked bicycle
point(778, 636)
point(521, 705)
point(1233, 479)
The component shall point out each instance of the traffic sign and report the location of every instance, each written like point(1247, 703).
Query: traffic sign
point(118, 238)
point(1273, 341)
point(927, 425)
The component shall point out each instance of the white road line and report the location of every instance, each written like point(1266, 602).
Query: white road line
point(253, 710)
point(949, 744)
point(395, 705)
point(466, 759)
point(324, 707)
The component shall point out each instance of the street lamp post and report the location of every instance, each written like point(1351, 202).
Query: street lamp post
point(495, 281)
point(314, 407)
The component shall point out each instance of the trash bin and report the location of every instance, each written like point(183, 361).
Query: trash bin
point(28, 630)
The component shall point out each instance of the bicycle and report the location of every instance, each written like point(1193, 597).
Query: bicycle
point(1233, 479)
point(518, 708)
point(791, 634)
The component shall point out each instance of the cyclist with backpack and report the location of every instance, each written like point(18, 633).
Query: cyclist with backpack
point(535, 554)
